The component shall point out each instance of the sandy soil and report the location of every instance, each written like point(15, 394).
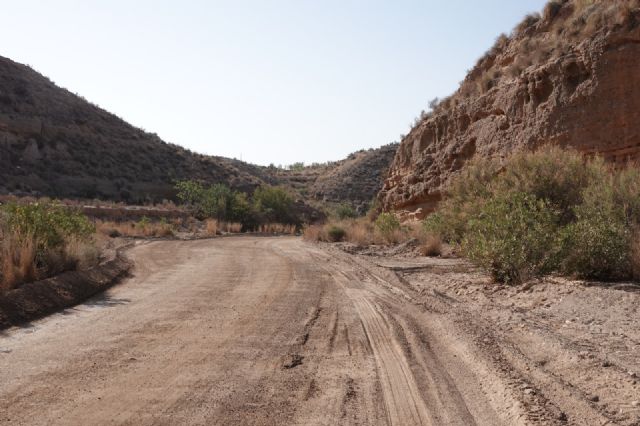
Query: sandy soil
point(272, 331)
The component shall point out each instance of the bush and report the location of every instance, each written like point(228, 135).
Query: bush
point(273, 204)
point(599, 243)
point(514, 237)
point(387, 223)
point(217, 201)
point(345, 211)
point(540, 212)
point(42, 239)
point(432, 246)
point(51, 225)
point(336, 234)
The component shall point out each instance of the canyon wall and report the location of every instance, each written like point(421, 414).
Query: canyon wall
point(584, 93)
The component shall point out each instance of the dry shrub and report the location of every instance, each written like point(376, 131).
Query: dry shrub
point(230, 227)
point(277, 228)
point(359, 232)
point(362, 232)
point(18, 256)
point(81, 254)
point(432, 246)
point(211, 227)
point(551, 10)
point(142, 228)
point(312, 233)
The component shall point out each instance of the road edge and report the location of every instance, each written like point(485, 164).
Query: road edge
point(45, 297)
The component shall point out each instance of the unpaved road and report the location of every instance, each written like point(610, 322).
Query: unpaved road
point(264, 331)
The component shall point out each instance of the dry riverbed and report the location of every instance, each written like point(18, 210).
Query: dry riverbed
point(272, 331)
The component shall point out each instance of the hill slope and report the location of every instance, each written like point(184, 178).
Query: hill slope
point(55, 143)
point(355, 180)
point(567, 77)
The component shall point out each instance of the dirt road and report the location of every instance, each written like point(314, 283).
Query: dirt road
point(264, 331)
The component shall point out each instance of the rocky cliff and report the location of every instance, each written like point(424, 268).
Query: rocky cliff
point(569, 77)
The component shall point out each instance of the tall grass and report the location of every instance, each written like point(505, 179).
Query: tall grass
point(39, 240)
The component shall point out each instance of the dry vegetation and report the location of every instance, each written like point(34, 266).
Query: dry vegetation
point(41, 240)
point(540, 38)
point(142, 228)
point(383, 230)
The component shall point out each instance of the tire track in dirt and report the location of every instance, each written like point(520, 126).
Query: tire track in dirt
point(403, 401)
point(242, 331)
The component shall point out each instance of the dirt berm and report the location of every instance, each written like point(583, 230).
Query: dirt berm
point(37, 299)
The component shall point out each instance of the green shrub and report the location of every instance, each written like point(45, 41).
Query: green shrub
point(143, 223)
point(557, 176)
point(336, 234)
point(514, 237)
point(51, 225)
point(274, 204)
point(598, 245)
point(467, 192)
point(544, 211)
point(345, 211)
point(297, 166)
point(387, 223)
point(41, 239)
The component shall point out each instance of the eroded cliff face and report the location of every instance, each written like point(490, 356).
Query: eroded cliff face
point(586, 96)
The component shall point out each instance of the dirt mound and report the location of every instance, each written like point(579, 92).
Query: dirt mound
point(568, 77)
point(34, 300)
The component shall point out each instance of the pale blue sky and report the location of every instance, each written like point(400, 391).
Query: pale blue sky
point(269, 81)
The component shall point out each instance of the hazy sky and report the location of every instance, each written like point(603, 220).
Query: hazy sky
point(267, 81)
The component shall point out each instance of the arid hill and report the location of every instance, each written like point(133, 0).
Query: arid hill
point(55, 143)
point(567, 77)
point(355, 180)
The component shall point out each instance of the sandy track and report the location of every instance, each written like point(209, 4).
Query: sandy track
point(249, 331)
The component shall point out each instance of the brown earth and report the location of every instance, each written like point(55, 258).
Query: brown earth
point(273, 331)
point(568, 78)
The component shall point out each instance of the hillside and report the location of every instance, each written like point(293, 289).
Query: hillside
point(355, 180)
point(567, 77)
point(55, 143)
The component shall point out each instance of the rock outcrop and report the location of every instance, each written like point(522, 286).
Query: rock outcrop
point(570, 77)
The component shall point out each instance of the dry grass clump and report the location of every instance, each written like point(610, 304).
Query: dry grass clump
point(277, 228)
point(363, 232)
point(18, 259)
point(142, 228)
point(432, 246)
point(40, 240)
point(230, 227)
point(211, 227)
point(635, 255)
